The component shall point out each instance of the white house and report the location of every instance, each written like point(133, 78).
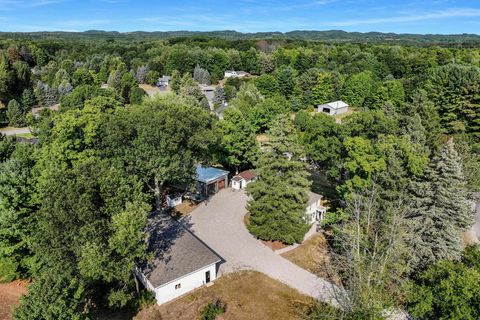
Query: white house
point(181, 262)
point(315, 211)
point(241, 180)
point(235, 74)
point(333, 108)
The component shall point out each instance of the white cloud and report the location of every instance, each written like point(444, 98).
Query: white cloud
point(442, 14)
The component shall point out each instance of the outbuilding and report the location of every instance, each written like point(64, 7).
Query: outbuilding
point(236, 74)
point(315, 211)
point(333, 108)
point(210, 180)
point(174, 199)
point(242, 179)
point(181, 262)
point(163, 81)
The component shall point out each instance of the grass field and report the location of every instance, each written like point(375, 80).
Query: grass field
point(313, 255)
point(248, 295)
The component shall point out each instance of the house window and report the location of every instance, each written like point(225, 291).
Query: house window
point(178, 286)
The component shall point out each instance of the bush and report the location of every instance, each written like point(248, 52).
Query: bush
point(213, 309)
point(448, 289)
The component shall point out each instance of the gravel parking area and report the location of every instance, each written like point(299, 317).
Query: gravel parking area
point(219, 223)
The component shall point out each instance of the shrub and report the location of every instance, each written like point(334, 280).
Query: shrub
point(213, 309)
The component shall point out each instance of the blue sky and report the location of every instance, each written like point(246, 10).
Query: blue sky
point(408, 16)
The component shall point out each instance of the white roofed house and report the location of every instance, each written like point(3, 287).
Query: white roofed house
point(236, 74)
point(179, 262)
point(333, 108)
point(315, 211)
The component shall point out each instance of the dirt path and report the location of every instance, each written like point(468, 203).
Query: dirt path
point(220, 225)
point(10, 294)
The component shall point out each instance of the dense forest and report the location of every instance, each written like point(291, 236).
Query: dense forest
point(403, 166)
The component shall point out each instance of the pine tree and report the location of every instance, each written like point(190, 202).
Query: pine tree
point(219, 96)
point(15, 114)
point(279, 197)
point(439, 212)
point(201, 75)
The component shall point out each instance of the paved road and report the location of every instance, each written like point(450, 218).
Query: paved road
point(12, 131)
point(220, 225)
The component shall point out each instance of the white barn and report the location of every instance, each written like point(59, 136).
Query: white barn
point(333, 108)
point(181, 262)
point(315, 211)
point(242, 179)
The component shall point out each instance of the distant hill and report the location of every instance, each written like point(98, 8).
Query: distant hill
point(308, 35)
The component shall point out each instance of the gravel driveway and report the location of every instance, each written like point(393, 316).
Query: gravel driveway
point(13, 131)
point(219, 223)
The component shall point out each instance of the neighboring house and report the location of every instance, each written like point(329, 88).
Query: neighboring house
point(241, 180)
point(315, 211)
point(163, 81)
point(37, 111)
point(211, 180)
point(174, 200)
point(181, 262)
point(236, 74)
point(209, 92)
point(333, 108)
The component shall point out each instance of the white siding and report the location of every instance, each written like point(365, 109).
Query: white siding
point(311, 210)
point(173, 201)
point(341, 110)
point(187, 283)
point(237, 184)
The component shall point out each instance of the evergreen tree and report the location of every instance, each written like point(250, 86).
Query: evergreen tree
point(279, 196)
point(201, 75)
point(439, 212)
point(218, 96)
point(16, 209)
point(286, 80)
point(15, 114)
point(28, 99)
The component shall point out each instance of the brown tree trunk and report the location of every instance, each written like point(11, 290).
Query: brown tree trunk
point(137, 286)
point(158, 195)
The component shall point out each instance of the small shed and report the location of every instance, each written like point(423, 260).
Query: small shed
point(181, 262)
point(333, 108)
point(174, 199)
point(242, 179)
point(315, 211)
point(210, 180)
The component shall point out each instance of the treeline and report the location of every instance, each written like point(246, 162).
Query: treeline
point(307, 35)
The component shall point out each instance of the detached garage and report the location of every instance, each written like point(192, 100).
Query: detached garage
point(211, 180)
point(181, 262)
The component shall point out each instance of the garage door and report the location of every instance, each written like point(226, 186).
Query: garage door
point(221, 184)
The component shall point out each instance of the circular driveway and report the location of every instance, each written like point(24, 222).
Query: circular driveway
point(219, 223)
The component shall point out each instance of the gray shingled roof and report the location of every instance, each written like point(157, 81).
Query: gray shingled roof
point(313, 197)
point(176, 251)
